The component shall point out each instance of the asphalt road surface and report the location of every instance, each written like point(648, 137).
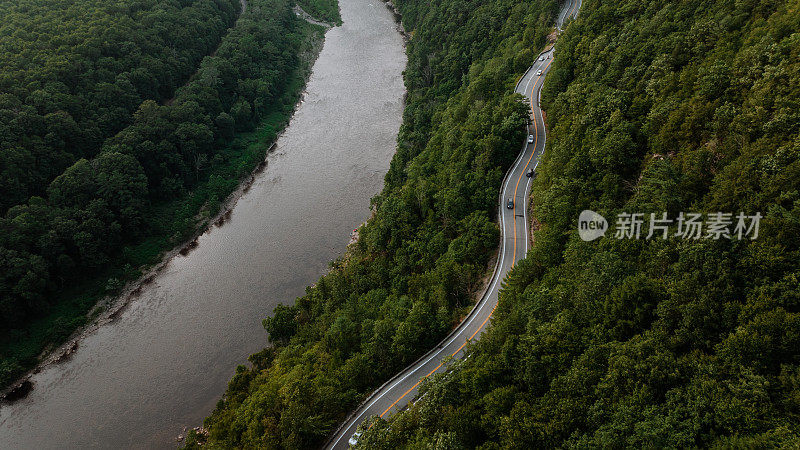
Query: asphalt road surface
point(395, 394)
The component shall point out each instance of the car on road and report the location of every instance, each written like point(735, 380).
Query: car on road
point(354, 438)
point(529, 174)
point(541, 58)
point(510, 204)
point(530, 139)
point(539, 72)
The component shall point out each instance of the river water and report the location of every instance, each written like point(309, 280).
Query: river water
point(165, 362)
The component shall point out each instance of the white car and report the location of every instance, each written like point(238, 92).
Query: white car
point(539, 72)
point(541, 58)
point(530, 139)
point(354, 438)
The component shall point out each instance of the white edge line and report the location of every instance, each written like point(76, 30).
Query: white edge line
point(495, 276)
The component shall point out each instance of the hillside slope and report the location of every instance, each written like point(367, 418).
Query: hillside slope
point(110, 214)
point(72, 73)
point(653, 107)
point(421, 258)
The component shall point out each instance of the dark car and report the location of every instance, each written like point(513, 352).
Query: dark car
point(529, 174)
point(510, 204)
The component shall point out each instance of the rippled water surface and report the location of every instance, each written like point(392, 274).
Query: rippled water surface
point(166, 361)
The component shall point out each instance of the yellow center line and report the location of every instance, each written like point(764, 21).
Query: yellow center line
point(535, 145)
point(536, 142)
point(574, 4)
point(440, 364)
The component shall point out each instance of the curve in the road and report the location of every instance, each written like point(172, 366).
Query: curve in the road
point(525, 169)
point(513, 261)
point(398, 391)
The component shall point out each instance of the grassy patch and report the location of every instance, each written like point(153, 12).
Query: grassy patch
point(325, 10)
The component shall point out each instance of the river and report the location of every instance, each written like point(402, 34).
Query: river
point(163, 365)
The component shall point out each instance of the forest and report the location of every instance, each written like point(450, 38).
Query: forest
point(419, 261)
point(323, 10)
point(135, 141)
point(72, 73)
point(652, 106)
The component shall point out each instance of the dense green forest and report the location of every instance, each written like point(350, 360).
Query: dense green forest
point(652, 106)
point(324, 10)
point(421, 258)
point(73, 72)
point(112, 211)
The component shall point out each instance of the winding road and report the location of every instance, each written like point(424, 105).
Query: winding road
point(396, 393)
